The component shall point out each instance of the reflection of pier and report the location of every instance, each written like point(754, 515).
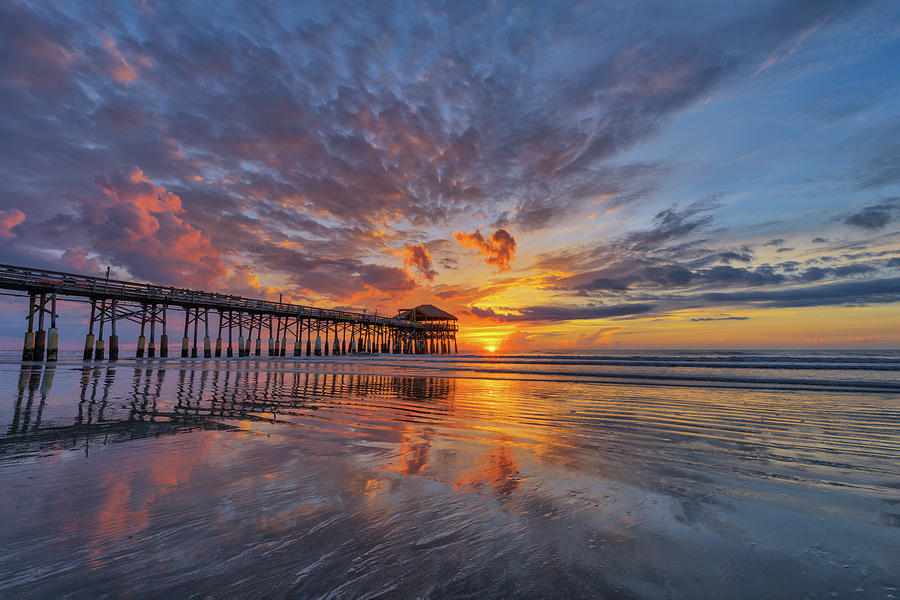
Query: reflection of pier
point(166, 401)
point(422, 330)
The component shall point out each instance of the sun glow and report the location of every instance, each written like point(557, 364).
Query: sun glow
point(490, 348)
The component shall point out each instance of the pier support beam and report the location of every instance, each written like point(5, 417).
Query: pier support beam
point(230, 352)
point(196, 328)
point(164, 338)
point(89, 338)
point(185, 341)
point(113, 336)
point(40, 336)
point(151, 347)
point(28, 346)
point(207, 349)
point(219, 337)
point(98, 351)
point(53, 334)
point(139, 350)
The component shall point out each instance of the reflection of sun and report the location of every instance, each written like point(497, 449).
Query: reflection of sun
point(490, 348)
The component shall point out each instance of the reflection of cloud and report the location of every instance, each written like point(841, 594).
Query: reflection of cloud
point(498, 250)
point(413, 453)
point(498, 471)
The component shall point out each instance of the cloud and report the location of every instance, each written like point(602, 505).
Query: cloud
point(76, 259)
point(670, 224)
point(120, 69)
point(418, 256)
point(720, 319)
point(499, 250)
point(9, 219)
point(854, 292)
point(560, 313)
point(872, 217)
point(140, 226)
point(775, 242)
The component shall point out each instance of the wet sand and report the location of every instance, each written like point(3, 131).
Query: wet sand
point(457, 478)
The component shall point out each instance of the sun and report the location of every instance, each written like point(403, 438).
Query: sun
point(490, 348)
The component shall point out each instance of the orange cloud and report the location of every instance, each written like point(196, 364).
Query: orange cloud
point(9, 219)
point(121, 70)
point(419, 257)
point(498, 250)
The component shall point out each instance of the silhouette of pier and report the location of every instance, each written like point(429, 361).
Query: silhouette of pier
point(314, 331)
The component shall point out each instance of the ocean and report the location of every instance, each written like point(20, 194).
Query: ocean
point(557, 475)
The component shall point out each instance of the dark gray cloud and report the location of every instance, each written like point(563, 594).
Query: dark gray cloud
point(720, 319)
point(561, 313)
point(873, 217)
point(853, 292)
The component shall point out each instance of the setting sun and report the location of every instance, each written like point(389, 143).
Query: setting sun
point(490, 348)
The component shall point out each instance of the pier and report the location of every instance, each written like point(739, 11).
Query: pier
point(214, 325)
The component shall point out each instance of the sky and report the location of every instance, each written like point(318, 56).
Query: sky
point(559, 175)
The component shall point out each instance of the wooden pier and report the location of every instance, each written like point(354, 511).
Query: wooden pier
point(232, 319)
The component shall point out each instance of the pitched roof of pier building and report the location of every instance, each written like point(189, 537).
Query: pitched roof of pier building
point(424, 312)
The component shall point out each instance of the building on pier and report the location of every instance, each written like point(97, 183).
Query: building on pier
point(440, 330)
point(246, 321)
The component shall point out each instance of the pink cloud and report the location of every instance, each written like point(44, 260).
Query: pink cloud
point(9, 219)
point(141, 226)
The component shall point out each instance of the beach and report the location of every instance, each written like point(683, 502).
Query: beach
point(593, 475)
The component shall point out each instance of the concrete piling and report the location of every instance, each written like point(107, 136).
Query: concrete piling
point(196, 327)
point(164, 338)
point(318, 350)
point(207, 348)
point(113, 335)
point(139, 350)
point(89, 338)
point(28, 346)
point(88, 347)
point(40, 340)
point(52, 344)
point(113, 347)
